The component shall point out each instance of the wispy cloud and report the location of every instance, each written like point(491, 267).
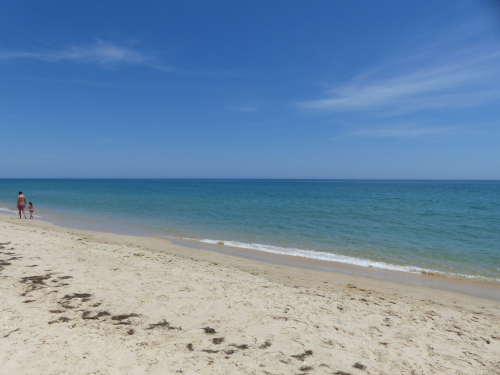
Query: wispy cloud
point(101, 53)
point(455, 71)
point(403, 132)
point(246, 109)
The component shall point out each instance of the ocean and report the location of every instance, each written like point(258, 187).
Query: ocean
point(448, 228)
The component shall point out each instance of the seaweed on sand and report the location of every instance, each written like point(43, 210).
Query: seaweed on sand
point(68, 298)
point(359, 366)
point(243, 346)
point(124, 316)
point(301, 357)
point(83, 296)
point(35, 282)
point(209, 331)
point(61, 319)
point(87, 315)
point(122, 319)
point(162, 324)
point(265, 345)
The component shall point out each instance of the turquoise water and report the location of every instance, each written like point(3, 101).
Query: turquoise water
point(448, 227)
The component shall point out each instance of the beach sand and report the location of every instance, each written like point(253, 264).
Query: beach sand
point(81, 302)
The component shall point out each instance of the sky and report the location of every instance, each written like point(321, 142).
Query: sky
point(330, 89)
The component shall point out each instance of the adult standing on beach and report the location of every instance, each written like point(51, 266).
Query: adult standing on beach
point(21, 204)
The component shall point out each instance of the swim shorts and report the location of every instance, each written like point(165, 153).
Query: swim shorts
point(21, 206)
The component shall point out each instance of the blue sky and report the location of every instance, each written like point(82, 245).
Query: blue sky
point(250, 89)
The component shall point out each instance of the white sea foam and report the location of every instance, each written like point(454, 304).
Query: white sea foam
point(331, 257)
point(319, 255)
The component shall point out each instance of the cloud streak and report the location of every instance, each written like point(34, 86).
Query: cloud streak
point(403, 132)
point(434, 76)
point(100, 53)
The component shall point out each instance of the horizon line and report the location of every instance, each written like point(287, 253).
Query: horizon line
point(247, 179)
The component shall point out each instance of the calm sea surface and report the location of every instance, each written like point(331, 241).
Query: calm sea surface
point(448, 227)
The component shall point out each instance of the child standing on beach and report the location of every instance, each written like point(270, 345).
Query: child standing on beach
point(32, 209)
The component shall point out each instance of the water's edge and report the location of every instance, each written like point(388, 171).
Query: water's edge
point(476, 288)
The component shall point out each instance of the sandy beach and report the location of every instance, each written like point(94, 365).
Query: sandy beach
point(81, 302)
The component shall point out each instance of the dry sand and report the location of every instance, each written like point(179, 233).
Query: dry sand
point(76, 302)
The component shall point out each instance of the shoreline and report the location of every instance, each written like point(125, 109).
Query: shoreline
point(443, 282)
point(76, 301)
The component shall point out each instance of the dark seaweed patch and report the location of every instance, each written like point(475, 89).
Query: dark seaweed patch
point(29, 301)
point(83, 296)
point(359, 366)
point(61, 319)
point(266, 345)
point(190, 347)
point(244, 346)
point(209, 331)
point(301, 357)
point(130, 331)
point(218, 340)
point(210, 351)
point(68, 298)
point(124, 316)
point(56, 311)
point(87, 315)
point(162, 324)
point(122, 319)
point(306, 368)
point(34, 282)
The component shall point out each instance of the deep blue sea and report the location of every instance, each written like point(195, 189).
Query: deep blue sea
point(446, 227)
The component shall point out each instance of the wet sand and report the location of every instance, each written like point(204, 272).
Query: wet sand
point(474, 288)
point(80, 302)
